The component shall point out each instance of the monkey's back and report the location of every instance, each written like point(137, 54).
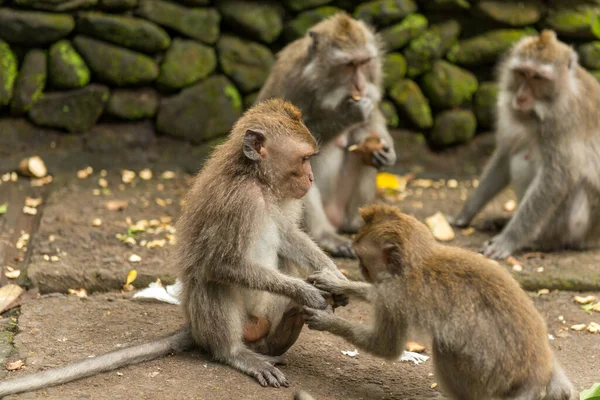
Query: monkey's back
point(488, 326)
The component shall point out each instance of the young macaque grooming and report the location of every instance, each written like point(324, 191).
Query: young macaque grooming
point(547, 147)
point(488, 341)
point(334, 74)
point(239, 251)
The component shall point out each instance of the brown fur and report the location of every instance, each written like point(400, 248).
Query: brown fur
point(488, 340)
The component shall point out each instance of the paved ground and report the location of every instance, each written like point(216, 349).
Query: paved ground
point(66, 252)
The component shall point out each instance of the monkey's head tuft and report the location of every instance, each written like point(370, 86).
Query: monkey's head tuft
point(544, 48)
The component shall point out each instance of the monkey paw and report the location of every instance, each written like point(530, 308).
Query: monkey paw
point(318, 320)
point(336, 245)
point(326, 280)
point(268, 375)
point(499, 247)
point(312, 297)
point(383, 158)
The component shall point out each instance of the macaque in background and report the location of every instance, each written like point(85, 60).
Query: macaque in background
point(547, 147)
point(240, 251)
point(333, 74)
point(488, 340)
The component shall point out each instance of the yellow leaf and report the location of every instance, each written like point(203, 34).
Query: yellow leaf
point(388, 181)
point(131, 277)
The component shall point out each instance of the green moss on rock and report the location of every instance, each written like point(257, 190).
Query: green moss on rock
point(452, 127)
point(484, 104)
point(574, 22)
point(247, 63)
point(201, 112)
point(34, 28)
point(261, 20)
point(134, 33)
point(411, 103)
point(198, 23)
point(132, 104)
point(394, 68)
point(300, 5)
point(389, 112)
point(384, 12)
point(596, 74)
point(447, 85)
point(8, 73)
point(514, 13)
point(116, 65)
point(185, 63)
point(31, 81)
point(397, 36)
point(55, 5)
point(486, 48)
point(432, 45)
point(446, 5)
point(297, 27)
point(589, 55)
point(66, 68)
point(75, 110)
point(118, 5)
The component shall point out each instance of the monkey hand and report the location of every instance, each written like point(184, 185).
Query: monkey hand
point(318, 320)
point(385, 157)
point(328, 281)
point(311, 296)
point(358, 110)
point(499, 247)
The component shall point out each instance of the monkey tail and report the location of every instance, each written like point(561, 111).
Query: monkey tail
point(559, 387)
point(179, 341)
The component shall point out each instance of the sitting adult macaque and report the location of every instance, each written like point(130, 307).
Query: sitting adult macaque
point(333, 74)
point(547, 147)
point(488, 341)
point(239, 251)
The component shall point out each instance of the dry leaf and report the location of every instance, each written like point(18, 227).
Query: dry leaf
point(468, 231)
point(167, 175)
point(433, 385)
point(593, 327)
point(156, 243)
point(423, 183)
point(540, 269)
point(127, 176)
point(15, 365)
point(439, 226)
point(596, 307)
point(42, 181)
point(584, 300)
point(33, 202)
point(116, 205)
point(517, 268)
point(145, 174)
point(131, 277)
point(510, 205)
point(54, 258)
point(414, 347)
point(134, 258)
point(33, 166)
point(96, 222)
point(81, 293)
point(161, 202)
point(543, 291)
point(84, 173)
point(578, 327)
point(452, 183)
point(12, 273)
point(103, 183)
point(8, 294)
point(29, 210)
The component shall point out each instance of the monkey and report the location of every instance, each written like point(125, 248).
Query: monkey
point(547, 147)
point(487, 338)
point(240, 252)
point(334, 75)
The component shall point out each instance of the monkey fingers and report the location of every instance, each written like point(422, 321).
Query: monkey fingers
point(499, 247)
point(317, 319)
point(340, 300)
point(380, 158)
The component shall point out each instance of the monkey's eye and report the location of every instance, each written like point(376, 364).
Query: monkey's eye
point(537, 77)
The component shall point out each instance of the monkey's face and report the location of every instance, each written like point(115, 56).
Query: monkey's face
point(371, 259)
point(530, 86)
point(290, 162)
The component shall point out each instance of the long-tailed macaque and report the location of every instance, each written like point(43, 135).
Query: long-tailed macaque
point(333, 74)
point(488, 340)
point(547, 147)
point(238, 249)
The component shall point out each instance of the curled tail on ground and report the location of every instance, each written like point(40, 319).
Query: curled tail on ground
point(179, 341)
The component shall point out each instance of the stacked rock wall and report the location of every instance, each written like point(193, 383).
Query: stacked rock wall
point(192, 66)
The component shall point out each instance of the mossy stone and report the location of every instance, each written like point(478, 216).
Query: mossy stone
point(31, 81)
point(389, 112)
point(115, 65)
point(582, 22)
point(8, 73)
point(247, 63)
point(75, 110)
point(589, 55)
point(262, 21)
point(185, 63)
point(66, 68)
point(397, 36)
point(384, 12)
point(513, 13)
point(411, 103)
point(56, 5)
point(596, 74)
point(447, 85)
point(300, 5)
point(394, 68)
point(430, 46)
point(452, 127)
point(484, 104)
point(250, 100)
point(446, 5)
point(118, 5)
point(133, 33)
point(201, 112)
point(298, 26)
point(198, 23)
point(132, 104)
point(34, 28)
point(487, 47)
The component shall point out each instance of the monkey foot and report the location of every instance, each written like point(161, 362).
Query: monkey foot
point(268, 375)
point(337, 246)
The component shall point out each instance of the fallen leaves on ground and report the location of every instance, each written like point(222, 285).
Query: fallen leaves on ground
point(84, 173)
point(414, 347)
point(584, 300)
point(116, 205)
point(8, 294)
point(12, 273)
point(33, 167)
point(440, 228)
point(81, 293)
point(592, 393)
point(3, 208)
point(15, 365)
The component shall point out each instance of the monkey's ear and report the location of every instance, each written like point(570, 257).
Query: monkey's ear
point(254, 142)
point(389, 251)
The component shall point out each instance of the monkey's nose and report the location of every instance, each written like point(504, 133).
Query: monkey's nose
point(311, 178)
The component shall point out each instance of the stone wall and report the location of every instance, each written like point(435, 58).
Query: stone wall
point(192, 66)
